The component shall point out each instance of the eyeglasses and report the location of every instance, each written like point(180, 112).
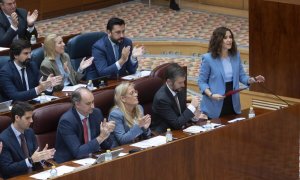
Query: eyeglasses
point(132, 93)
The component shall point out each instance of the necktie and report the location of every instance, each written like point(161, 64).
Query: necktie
point(85, 131)
point(177, 102)
point(24, 145)
point(116, 51)
point(23, 79)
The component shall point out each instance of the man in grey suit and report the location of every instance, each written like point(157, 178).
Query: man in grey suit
point(15, 23)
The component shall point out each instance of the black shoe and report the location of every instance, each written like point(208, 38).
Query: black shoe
point(174, 6)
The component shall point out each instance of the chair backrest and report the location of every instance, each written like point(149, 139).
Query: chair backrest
point(104, 100)
point(37, 55)
point(80, 46)
point(3, 60)
point(5, 121)
point(147, 87)
point(45, 121)
point(159, 71)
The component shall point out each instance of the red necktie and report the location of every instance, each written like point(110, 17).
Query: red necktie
point(24, 145)
point(85, 131)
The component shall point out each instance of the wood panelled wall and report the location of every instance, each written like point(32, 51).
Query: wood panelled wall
point(55, 8)
point(236, 4)
point(274, 45)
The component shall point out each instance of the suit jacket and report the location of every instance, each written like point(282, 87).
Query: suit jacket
point(7, 34)
point(123, 134)
point(49, 66)
point(12, 158)
point(212, 76)
point(11, 82)
point(104, 60)
point(70, 139)
point(165, 113)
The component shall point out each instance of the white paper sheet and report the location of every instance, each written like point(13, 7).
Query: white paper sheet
point(3, 48)
point(236, 119)
point(122, 154)
point(210, 126)
point(194, 129)
point(137, 75)
point(73, 88)
point(152, 142)
point(48, 98)
point(86, 161)
point(60, 171)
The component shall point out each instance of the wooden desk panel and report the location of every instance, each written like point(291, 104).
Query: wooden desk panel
point(265, 147)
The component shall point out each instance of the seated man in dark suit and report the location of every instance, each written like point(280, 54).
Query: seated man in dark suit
point(169, 104)
point(20, 152)
point(113, 54)
point(20, 77)
point(81, 130)
point(15, 23)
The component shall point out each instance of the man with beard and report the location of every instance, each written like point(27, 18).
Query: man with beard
point(20, 77)
point(169, 104)
point(15, 23)
point(113, 54)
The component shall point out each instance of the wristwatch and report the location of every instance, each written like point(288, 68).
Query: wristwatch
point(30, 160)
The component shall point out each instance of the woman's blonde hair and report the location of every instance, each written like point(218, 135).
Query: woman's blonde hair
point(120, 91)
point(49, 46)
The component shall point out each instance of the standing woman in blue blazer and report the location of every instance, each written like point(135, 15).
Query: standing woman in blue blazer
point(221, 71)
point(131, 124)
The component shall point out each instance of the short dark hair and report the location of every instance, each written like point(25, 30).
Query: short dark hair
point(216, 41)
point(173, 71)
point(114, 21)
point(20, 108)
point(76, 95)
point(17, 47)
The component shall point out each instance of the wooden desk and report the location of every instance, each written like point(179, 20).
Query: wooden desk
point(264, 147)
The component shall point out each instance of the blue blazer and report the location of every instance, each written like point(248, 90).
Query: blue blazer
point(123, 134)
point(11, 82)
point(165, 113)
point(12, 158)
point(104, 60)
point(7, 34)
point(70, 140)
point(212, 76)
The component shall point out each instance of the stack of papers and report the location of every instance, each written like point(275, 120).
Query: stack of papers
point(236, 119)
point(73, 88)
point(137, 75)
point(60, 171)
point(47, 97)
point(194, 129)
point(86, 161)
point(152, 142)
point(210, 126)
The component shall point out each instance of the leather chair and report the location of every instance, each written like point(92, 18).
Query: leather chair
point(5, 121)
point(104, 100)
point(37, 55)
point(45, 121)
point(159, 71)
point(147, 87)
point(80, 46)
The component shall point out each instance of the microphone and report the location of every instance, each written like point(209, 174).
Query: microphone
point(270, 91)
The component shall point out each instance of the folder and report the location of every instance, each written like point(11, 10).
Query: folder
point(229, 93)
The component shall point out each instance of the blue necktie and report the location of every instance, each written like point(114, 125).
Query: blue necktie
point(23, 79)
point(116, 51)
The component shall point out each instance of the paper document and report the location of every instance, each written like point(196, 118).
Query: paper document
point(47, 97)
point(85, 161)
point(211, 126)
point(60, 171)
point(3, 48)
point(152, 142)
point(122, 154)
point(194, 129)
point(137, 75)
point(236, 119)
point(73, 88)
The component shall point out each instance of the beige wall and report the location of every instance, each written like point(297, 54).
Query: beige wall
point(236, 4)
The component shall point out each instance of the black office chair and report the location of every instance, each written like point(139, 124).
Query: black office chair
point(80, 46)
point(37, 55)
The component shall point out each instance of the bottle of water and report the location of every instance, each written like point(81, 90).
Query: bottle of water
point(33, 39)
point(90, 85)
point(101, 84)
point(108, 156)
point(169, 136)
point(53, 172)
point(43, 98)
point(251, 113)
